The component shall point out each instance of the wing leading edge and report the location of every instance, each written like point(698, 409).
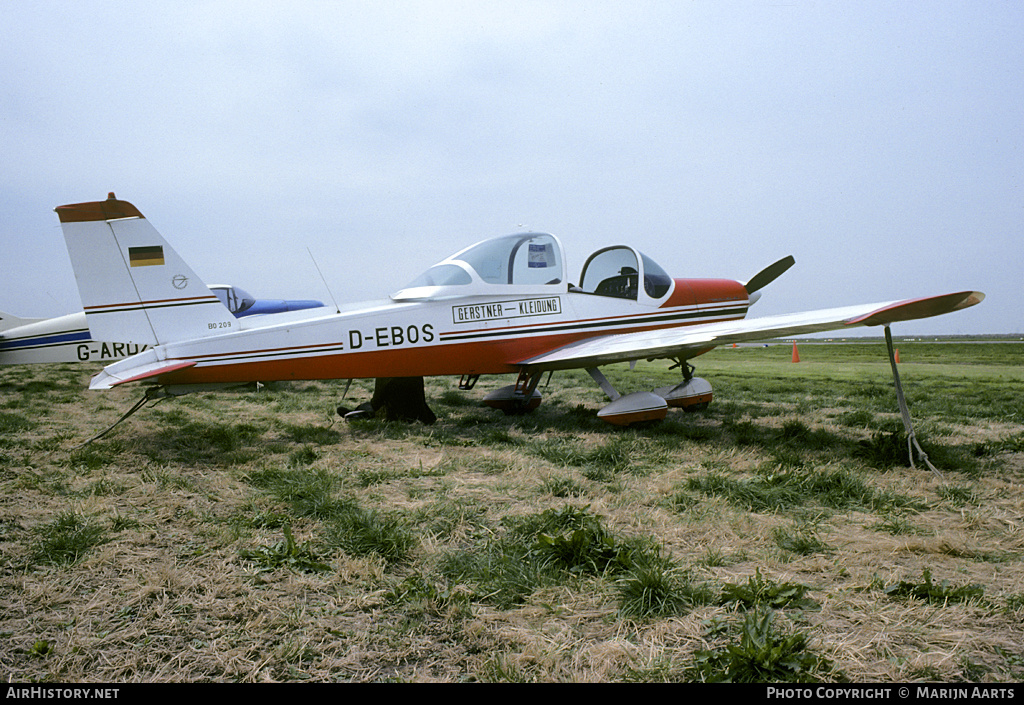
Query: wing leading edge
point(692, 340)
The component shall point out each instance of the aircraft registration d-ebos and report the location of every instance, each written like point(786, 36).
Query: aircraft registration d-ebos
point(504, 305)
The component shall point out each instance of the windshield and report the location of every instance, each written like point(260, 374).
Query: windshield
point(237, 300)
point(611, 272)
point(656, 281)
point(442, 275)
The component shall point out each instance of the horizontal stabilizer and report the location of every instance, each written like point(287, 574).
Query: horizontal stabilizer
point(136, 369)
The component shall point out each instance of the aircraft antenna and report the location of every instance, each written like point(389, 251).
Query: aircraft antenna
point(337, 308)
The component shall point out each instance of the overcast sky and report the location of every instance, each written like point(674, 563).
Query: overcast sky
point(881, 144)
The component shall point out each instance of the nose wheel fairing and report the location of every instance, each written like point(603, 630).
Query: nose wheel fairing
point(692, 394)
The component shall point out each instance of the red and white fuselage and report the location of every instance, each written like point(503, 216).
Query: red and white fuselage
point(478, 335)
point(504, 305)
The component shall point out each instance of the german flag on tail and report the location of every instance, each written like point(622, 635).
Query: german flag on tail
point(146, 256)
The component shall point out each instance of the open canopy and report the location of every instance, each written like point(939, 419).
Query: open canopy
point(624, 273)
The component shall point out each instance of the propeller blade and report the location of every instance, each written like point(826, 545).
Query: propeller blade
point(769, 274)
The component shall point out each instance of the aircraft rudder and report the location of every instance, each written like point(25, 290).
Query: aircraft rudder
point(9, 320)
point(133, 284)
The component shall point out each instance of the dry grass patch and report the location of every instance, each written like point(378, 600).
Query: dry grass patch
point(253, 536)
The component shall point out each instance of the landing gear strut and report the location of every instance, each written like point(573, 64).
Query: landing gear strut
point(692, 394)
point(629, 409)
point(519, 398)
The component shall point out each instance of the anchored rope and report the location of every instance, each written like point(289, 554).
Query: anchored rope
point(908, 426)
point(151, 393)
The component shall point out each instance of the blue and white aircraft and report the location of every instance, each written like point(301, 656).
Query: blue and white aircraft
point(67, 338)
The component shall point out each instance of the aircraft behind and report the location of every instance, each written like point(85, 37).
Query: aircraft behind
point(67, 338)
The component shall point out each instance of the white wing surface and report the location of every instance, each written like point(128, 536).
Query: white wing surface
point(688, 341)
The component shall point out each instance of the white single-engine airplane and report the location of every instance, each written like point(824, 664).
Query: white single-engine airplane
point(67, 338)
point(501, 306)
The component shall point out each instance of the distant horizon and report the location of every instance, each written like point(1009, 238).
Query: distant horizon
point(898, 336)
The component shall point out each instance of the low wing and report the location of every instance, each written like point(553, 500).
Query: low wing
point(688, 341)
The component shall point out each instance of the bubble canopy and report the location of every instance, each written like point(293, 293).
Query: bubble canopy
point(502, 265)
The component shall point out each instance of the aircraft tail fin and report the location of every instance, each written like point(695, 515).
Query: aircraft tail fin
point(134, 286)
point(8, 321)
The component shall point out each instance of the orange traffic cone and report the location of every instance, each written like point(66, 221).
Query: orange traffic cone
point(897, 356)
point(796, 355)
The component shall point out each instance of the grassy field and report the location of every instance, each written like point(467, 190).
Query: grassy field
point(780, 535)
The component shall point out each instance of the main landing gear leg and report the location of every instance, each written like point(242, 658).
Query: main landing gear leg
point(603, 383)
point(628, 409)
point(692, 394)
point(519, 398)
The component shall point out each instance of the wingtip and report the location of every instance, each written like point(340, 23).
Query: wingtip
point(913, 309)
point(973, 298)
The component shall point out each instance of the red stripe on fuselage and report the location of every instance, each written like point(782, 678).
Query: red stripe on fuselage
point(156, 303)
